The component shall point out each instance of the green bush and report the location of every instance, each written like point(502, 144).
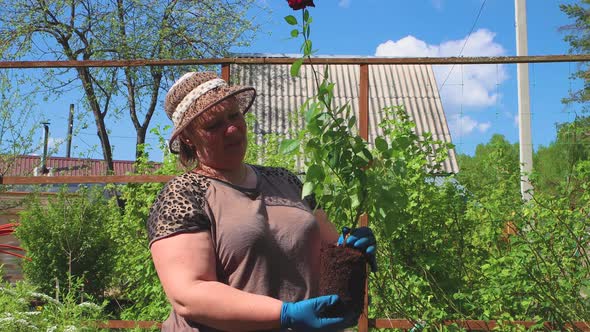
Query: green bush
point(69, 236)
point(442, 250)
point(267, 152)
point(136, 281)
point(543, 270)
point(448, 256)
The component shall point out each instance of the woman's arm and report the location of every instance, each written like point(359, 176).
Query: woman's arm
point(328, 232)
point(187, 269)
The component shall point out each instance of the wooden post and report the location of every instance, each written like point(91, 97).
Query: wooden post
point(363, 325)
point(225, 72)
point(364, 101)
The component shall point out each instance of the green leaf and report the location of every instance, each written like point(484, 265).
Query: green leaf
point(352, 122)
point(296, 67)
point(311, 113)
point(291, 20)
point(355, 202)
point(307, 47)
point(288, 145)
point(307, 189)
point(294, 33)
point(315, 172)
point(381, 144)
point(365, 155)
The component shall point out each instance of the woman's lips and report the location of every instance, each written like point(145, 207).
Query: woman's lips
point(233, 144)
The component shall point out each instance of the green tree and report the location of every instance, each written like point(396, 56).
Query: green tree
point(17, 113)
point(579, 40)
point(17, 125)
point(492, 162)
point(121, 29)
point(555, 163)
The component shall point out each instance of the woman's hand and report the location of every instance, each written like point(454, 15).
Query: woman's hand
point(308, 315)
point(361, 238)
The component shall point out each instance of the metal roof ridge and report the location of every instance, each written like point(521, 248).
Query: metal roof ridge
point(298, 55)
point(74, 158)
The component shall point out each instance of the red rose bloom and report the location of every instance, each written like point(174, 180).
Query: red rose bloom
point(300, 4)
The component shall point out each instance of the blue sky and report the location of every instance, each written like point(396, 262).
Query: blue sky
point(479, 100)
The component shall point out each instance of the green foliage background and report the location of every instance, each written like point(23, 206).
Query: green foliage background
point(442, 251)
point(464, 247)
point(69, 238)
point(455, 247)
point(24, 309)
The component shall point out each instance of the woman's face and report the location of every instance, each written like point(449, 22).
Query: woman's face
point(219, 136)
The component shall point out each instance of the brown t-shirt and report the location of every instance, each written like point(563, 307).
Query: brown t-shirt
point(266, 240)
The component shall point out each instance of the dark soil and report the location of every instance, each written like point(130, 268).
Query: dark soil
point(343, 272)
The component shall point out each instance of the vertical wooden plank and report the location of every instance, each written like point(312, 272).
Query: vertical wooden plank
point(225, 72)
point(363, 325)
point(364, 101)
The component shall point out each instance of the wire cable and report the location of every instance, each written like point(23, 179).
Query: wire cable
point(465, 43)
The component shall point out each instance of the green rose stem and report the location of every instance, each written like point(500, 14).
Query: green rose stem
point(325, 96)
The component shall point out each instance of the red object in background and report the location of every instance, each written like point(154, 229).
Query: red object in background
point(300, 4)
point(8, 229)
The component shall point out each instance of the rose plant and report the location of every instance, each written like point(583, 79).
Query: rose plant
point(334, 157)
point(442, 254)
point(350, 176)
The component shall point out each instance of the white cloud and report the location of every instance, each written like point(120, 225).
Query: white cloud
point(462, 125)
point(344, 3)
point(483, 126)
point(516, 120)
point(465, 85)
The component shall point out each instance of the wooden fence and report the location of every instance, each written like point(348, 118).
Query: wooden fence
point(364, 322)
point(402, 324)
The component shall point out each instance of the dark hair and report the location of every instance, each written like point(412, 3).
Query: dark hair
point(187, 155)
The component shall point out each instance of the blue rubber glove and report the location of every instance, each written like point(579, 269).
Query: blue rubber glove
point(361, 238)
point(307, 315)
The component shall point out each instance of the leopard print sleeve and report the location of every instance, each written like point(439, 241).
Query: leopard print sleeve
point(179, 208)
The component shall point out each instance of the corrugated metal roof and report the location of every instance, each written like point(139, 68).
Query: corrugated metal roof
point(25, 166)
point(413, 86)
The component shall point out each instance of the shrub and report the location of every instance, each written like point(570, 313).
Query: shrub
point(68, 236)
point(136, 278)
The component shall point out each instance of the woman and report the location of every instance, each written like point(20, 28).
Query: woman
point(235, 247)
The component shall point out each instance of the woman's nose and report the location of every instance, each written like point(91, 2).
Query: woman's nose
point(232, 130)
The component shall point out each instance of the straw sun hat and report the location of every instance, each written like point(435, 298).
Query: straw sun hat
point(195, 93)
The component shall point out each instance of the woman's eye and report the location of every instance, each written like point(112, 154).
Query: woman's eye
point(213, 126)
point(234, 116)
